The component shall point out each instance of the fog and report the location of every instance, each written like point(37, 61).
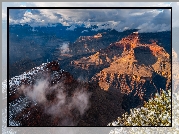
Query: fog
point(67, 108)
point(64, 48)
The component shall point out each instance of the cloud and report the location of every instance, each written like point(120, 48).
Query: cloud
point(38, 92)
point(80, 100)
point(64, 48)
point(151, 27)
point(164, 17)
point(84, 31)
point(161, 22)
point(127, 18)
point(105, 18)
point(16, 14)
point(57, 102)
point(72, 28)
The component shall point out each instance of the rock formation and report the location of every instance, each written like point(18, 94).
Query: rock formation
point(120, 75)
point(129, 66)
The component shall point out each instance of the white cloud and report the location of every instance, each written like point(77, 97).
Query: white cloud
point(63, 104)
point(64, 48)
point(151, 27)
point(117, 19)
point(81, 100)
point(72, 28)
point(105, 18)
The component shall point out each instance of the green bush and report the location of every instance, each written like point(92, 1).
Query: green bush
point(155, 112)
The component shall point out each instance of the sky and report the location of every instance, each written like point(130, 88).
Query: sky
point(148, 20)
point(174, 5)
point(144, 19)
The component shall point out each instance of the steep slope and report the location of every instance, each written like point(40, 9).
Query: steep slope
point(111, 53)
point(140, 71)
point(84, 45)
point(137, 70)
point(121, 76)
point(49, 96)
point(88, 66)
point(141, 63)
point(46, 96)
point(89, 44)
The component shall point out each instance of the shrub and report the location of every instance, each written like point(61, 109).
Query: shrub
point(155, 112)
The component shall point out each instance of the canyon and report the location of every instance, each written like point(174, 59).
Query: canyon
point(96, 80)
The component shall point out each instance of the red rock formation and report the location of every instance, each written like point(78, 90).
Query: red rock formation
point(98, 35)
point(155, 49)
point(137, 73)
point(53, 66)
point(128, 42)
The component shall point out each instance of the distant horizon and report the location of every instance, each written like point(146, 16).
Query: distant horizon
point(147, 20)
point(59, 24)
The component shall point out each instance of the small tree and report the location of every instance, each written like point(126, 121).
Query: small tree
point(155, 112)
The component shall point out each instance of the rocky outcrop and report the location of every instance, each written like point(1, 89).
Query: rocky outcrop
point(87, 44)
point(133, 68)
point(129, 42)
point(48, 93)
point(92, 44)
point(130, 58)
point(140, 70)
point(53, 66)
point(104, 57)
point(50, 96)
point(121, 76)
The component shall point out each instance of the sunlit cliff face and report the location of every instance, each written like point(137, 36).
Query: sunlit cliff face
point(131, 67)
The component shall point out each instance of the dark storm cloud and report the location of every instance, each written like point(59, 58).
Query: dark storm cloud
point(119, 19)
